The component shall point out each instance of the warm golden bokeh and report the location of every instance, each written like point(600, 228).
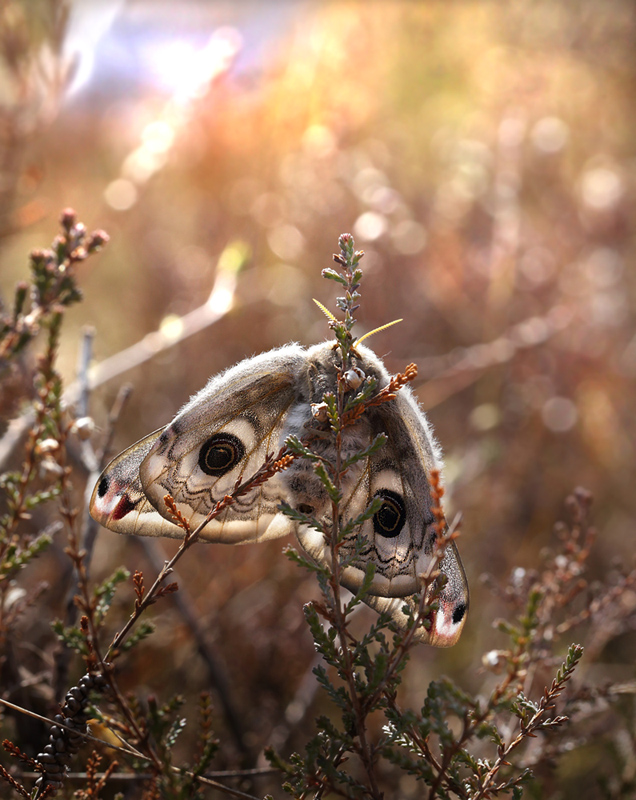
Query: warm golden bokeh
point(482, 154)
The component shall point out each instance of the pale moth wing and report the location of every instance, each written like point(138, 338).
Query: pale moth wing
point(245, 413)
point(221, 435)
point(119, 502)
point(400, 539)
point(445, 623)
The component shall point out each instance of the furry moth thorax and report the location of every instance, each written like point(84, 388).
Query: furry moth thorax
point(225, 432)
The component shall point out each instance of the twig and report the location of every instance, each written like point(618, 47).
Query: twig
point(88, 535)
point(427, 581)
point(444, 375)
point(271, 466)
point(207, 779)
point(86, 354)
point(218, 304)
point(131, 777)
point(216, 673)
point(348, 260)
point(537, 721)
point(128, 750)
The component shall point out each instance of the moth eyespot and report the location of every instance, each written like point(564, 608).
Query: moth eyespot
point(220, 453)
point(103, 487)
point(458, 613)
point(389, 520)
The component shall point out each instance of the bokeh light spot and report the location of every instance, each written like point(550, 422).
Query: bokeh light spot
point(286, 241)
point(537, 265)
point(142, 163)
point(158, 136)
point(186, 70)
point(370, 226)
point(288, 285)
point(512, 130)
point(531, 332)
point(234, 257)
point(559, 414)
point(485, 417)
point(120, 194)
point(267, 210)
point(171, 327)
point(408, 237)
point(604, 267)
point(319, 141)
point(222, 298)
point(385, 200)
point(367, 181)
point(550, 135)
point(601, 188)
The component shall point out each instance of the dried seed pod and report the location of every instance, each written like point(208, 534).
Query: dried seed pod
point(320, 411)
point(72, 704)
point(64, 743)
point(353, 378)
point(47, 446)
point(84, 427)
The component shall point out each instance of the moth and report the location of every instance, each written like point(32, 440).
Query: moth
point(225, 432)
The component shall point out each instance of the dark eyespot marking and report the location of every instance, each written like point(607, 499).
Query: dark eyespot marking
point(305, 508)
point(390, 518)
point(103, 487)
point(220, 453)
point(458, 613)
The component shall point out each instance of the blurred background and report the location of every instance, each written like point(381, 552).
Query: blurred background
point(484, 157)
